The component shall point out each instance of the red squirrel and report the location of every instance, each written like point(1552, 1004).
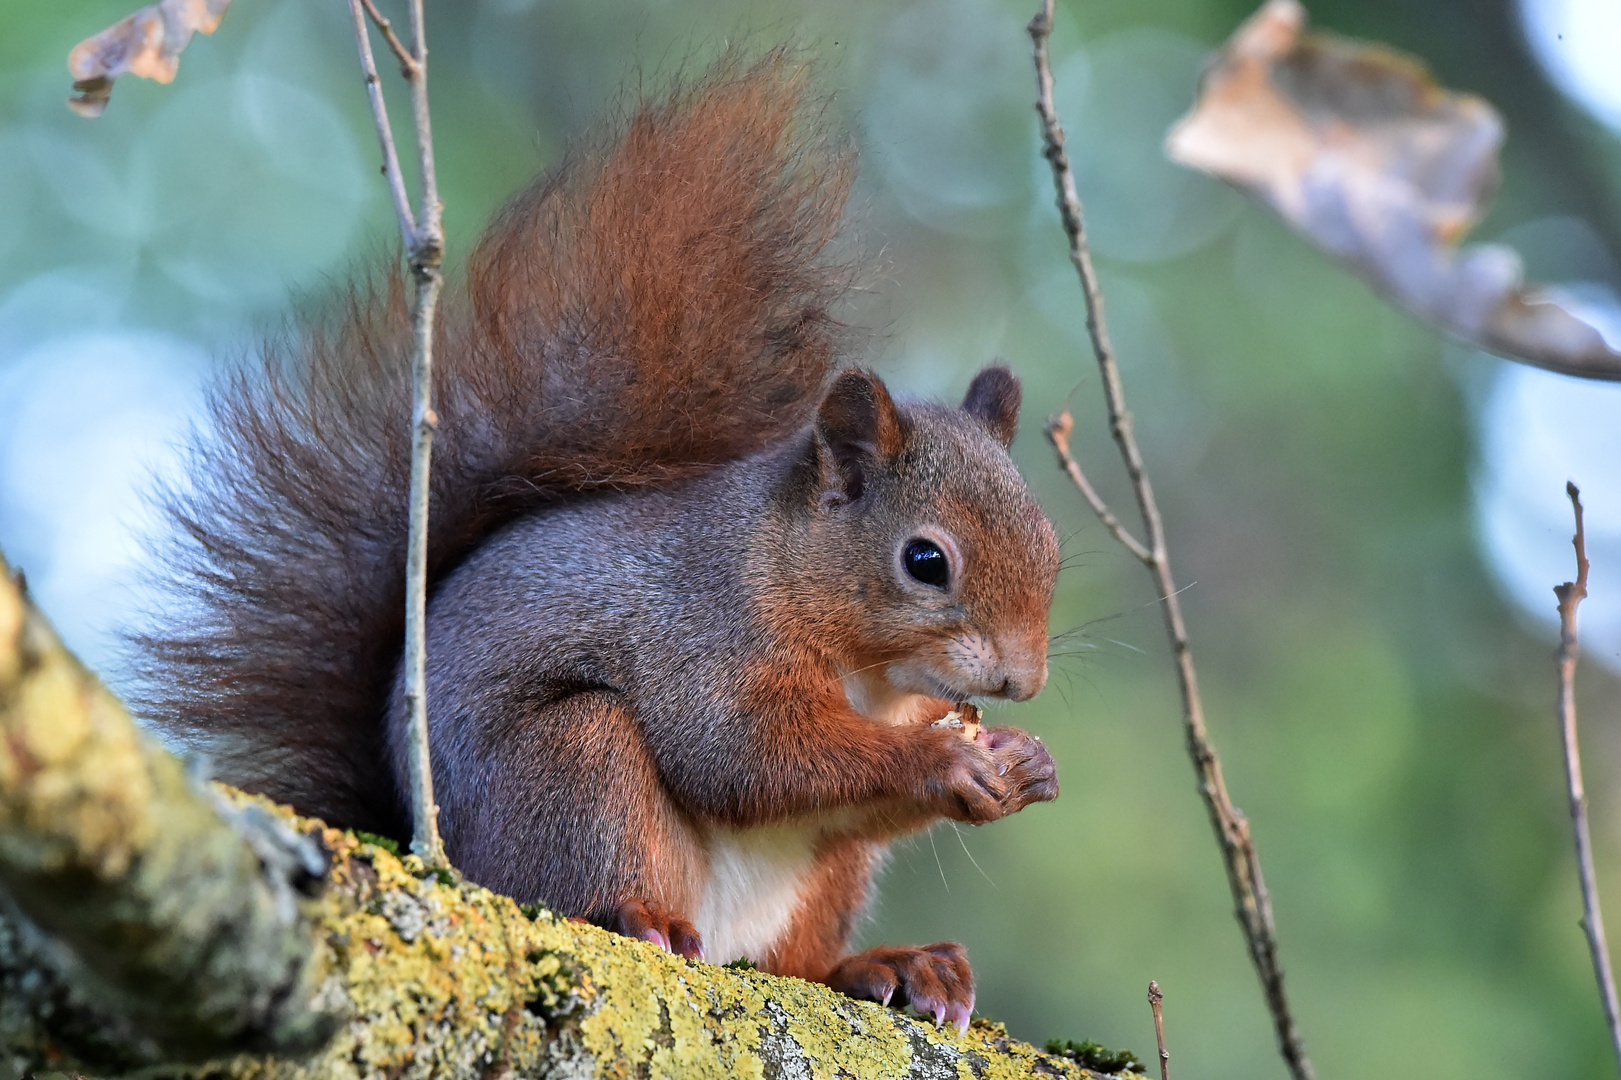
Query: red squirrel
point(698, 586)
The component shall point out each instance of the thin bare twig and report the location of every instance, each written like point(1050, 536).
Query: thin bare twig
point(1253, 904)
point(428, 248)
point(407, 61)
point(1058, 431)
point(385, 133)
point(1154, 998)
point(1570, 595)
point(423, 235)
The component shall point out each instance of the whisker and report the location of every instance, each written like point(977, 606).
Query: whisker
point(1084, 652)
point(1070, 677)
point(938, 864)
point(1063, 692)
point(1180, 591)
point(1090, 624)
point(970, 855)
point(1072, 534)
point(869, 667)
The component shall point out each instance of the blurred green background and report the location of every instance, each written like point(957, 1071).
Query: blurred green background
point(1368, 520)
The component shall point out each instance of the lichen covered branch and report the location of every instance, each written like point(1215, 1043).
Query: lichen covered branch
point(137, 924)
point(151, 922)
point(1254, 905)
point(446, 978)
point(439, 977)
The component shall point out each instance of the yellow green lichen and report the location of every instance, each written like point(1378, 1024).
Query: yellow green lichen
point(455, 980)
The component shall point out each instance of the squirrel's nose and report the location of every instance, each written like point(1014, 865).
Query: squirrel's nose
point(1025, 685)
point(1021, 682)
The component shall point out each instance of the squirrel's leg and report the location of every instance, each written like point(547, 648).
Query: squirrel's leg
point(560, 803)
point(935, 979)
point(830, 901)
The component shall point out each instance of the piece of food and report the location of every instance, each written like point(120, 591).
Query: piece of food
point(963, 719)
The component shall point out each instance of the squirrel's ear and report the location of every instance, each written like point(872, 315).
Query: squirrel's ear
point(856, 427)
point(993, 399)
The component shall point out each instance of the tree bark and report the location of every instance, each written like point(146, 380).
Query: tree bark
point(139, 924)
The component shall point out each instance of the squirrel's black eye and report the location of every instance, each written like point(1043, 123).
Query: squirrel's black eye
point(927, 563)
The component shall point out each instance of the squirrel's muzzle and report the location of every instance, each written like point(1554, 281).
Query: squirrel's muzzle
point(1024, 683)
point(1023, 670)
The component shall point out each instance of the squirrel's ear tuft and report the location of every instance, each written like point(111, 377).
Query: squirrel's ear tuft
point(856, 427)
point(993, 399)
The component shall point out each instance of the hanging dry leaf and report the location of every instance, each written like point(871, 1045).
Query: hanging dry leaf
point(148, 44)
point(1357, 148)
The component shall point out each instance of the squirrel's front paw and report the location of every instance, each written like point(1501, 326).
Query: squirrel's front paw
point(969, 785)
point(997, 773)
point(935, 980)
point(650, 920)
point(1024, 764)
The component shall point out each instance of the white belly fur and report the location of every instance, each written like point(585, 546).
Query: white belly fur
point(755, 878)
point(756, 875)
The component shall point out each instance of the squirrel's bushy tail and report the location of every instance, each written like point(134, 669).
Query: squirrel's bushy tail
point(656, 307)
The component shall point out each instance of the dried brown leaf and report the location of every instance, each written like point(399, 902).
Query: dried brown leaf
point(147, 43)
point(1358, 149)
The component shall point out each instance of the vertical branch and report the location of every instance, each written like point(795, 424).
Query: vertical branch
point(423, 236)
point(428, 248)
point(426, 252)
point(1154, 999)
point(1570, 595)
point(1253, 904)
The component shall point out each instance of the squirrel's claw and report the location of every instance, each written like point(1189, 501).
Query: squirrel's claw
point(935, 980)
point(651, 921)
point(959, 1013)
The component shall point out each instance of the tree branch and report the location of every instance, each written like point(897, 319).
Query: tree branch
point(1154, 999)
point(429, 242)
point(423, 236)
point(1570, 595)
point(449, 979)
point(385, 133)
point(137, 923)
point(1253, 904)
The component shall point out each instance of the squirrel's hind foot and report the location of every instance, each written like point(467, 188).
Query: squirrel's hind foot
point(935, 980)
point(651, 921)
